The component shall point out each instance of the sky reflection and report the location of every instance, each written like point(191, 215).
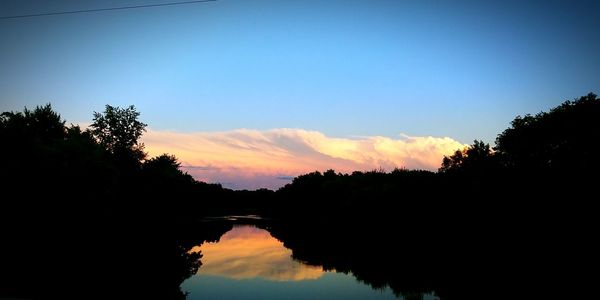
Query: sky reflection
point(247, 252)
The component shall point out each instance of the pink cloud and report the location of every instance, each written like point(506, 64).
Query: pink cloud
point(250, 159)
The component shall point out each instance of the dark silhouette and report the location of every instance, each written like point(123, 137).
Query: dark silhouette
point(566, 138)
point(485, 213)
point(90, 202)
point(76, 216)
point(118, 131)
point(477, 158)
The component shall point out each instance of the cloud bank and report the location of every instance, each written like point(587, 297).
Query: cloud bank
point(250, 159)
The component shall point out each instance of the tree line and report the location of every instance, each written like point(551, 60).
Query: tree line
point(107, 162)
point(549, 153)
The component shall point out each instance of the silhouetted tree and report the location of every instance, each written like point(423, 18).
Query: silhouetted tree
point(162, 179)
point(566, 137)
point(118, 130)
point(475, 158)
point(165, 166)
point(75, 191)
point(40, 123)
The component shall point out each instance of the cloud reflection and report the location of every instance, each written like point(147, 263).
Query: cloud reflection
point(248, 252)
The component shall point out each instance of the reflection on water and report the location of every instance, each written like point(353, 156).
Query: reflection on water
point(233, 218)
point(248, 263)
point(248, 252)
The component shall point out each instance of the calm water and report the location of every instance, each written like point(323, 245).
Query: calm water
point(248, 263)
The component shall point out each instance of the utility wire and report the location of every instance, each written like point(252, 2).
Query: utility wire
point(103, 9)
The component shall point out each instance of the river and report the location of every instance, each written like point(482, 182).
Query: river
point(249, 263)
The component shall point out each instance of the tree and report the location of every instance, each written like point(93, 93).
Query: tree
point(118, 130)
point(165, 169)
point(164, 163)
point(478, 156)
point(40, 123)
point(566, 137)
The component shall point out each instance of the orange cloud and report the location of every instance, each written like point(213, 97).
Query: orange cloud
point(248, 252)
point(252, 159)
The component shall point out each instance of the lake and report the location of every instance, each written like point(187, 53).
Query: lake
point(249, 263)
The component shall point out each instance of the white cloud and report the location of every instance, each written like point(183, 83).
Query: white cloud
point(252, 159)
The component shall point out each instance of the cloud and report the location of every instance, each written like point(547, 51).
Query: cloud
point(250, 159)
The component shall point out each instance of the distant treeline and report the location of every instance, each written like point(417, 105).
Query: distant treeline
point(104, 168)
point(551, 153)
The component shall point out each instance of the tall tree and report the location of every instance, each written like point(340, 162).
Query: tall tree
point(118, 130)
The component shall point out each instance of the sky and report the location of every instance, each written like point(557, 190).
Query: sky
point(252, 93)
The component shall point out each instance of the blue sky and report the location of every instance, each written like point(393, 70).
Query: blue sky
point(346, 68)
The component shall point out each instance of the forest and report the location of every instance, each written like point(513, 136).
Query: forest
point(79, 199)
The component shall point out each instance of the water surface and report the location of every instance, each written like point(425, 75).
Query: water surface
point(248, 263)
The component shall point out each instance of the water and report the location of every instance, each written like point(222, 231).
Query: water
point(248, 263)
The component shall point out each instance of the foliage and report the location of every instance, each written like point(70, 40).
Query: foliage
point(566, 137)
point(476, 157)
point(74, 189)
point(39, 123)
point(118, 130)
point(165, 166)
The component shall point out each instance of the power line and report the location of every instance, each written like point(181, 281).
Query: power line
point(104, 9)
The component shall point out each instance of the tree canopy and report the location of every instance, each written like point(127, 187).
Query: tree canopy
point(566, 137)
point(477, 157)
point(40, 123)
point(118, 130)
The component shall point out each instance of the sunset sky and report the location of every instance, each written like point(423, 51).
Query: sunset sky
point(252, 93)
